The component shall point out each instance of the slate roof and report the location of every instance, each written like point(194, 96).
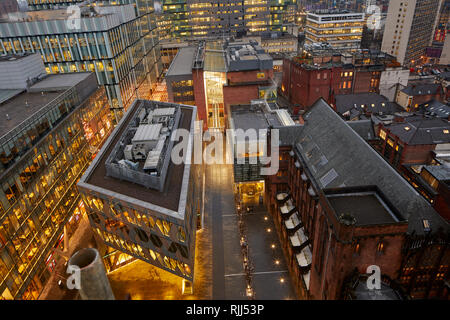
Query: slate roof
point(327, 143)
point(421, 89)
point(419, 130)
point(441, 173)
point(353, 105)
point(438, 108)
point(364, 128)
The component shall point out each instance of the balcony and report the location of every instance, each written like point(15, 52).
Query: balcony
point(283, 197)
point(304, 260)
point(287, 209)
point(299, 241)
point(293, 223)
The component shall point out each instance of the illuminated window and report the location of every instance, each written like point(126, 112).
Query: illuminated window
point(380, 247)
point(260, 75)
point(382, 134)
point(446, 131)
point(390, 142)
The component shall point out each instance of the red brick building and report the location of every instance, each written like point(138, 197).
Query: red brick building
point(308, 78)
point(411, 140)
point(339, 207)
point(411, 97)
point(215, 75)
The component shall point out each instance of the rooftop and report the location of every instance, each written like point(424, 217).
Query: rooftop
point(337, 157)
point(242, 56)
point(12, 57)
point(170, 197)
point(361, 103)
point(182, 63)
point(259, 115)
point(441, 173)
point(20, 105)
point(420, 130)
point(364, 128)
point(421, 89)
point(366, 207)
point(436, 108)
point(61, 81)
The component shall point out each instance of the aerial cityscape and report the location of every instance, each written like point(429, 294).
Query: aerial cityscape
point(225, 150)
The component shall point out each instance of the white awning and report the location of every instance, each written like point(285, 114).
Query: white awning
point(287, 207)
point(292, 222)
point(306, 278)
point(281, 196)
point(304, 258)
point(311, 192)
point(298, 238)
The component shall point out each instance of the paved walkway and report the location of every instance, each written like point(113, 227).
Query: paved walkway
point(270, 277)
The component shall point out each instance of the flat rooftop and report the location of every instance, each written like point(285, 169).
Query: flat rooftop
point(20, 105)
point(170, 197)
point(182, 63)
point(241, 56)
point(12, 57)
point(259, 115)
point(61, 81)
point(441, 173)
point(247, 117)
point(366, 208)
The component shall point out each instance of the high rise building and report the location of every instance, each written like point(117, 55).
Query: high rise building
point(216, 18)
point(50, 128)
point(140, 200)
point(341, 29)
point(214, 75)
point(119, 43)
point(410, 24)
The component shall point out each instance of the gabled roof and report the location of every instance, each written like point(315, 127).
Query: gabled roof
point(350, 104)
point(437, 108)
point(328, 144)
point(364, 128)
point(421, 89)
point(418, 130)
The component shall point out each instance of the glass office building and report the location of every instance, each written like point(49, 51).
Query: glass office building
point(140, 203)
point(118, 42)
point(48, 139)
point(217, 18)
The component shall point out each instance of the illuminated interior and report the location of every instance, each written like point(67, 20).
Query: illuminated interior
point(214, 82)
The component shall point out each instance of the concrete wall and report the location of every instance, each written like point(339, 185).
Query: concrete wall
point(445, 56)
point(16, 70)
point(391, 79)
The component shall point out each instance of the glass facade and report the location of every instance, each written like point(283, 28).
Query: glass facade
point(193, 18)
point(41, 164)
point(137, 222)
point(126, 58)
point(133, 232)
